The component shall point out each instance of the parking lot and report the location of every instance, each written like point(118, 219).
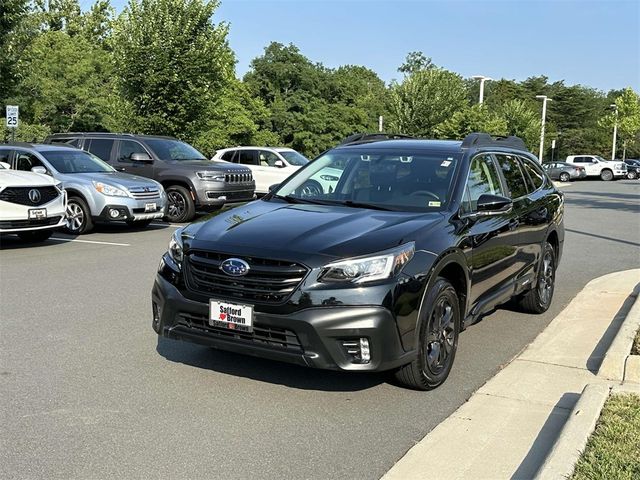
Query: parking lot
point(89, 391)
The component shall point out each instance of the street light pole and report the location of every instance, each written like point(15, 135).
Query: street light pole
point(482, 79)
point(544, 99)
point(615, 131)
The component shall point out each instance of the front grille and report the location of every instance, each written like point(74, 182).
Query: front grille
point(145, 193)
point(238, 177)
point(30, 223)
point(264, 335)
point(240, 195)
point(268, 281)
point(20, 195)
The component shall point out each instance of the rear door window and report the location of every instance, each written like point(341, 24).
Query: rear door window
point(101, 147)
point(535, 173)
point(228, 156)
point(247, 157)
point(5, 156)
point(516, 183)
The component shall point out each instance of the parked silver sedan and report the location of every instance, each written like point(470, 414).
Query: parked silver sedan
point(96, 191)
point(564, 171)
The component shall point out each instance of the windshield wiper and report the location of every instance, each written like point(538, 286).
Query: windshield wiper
point(372, 206)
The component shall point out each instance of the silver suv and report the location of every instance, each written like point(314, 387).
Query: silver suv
point(96, 191)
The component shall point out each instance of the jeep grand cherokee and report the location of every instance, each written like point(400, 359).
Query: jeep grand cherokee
point(419, 239)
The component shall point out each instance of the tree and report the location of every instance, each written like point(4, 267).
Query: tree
point(522, 121)
point(172, 62)
point(415, 62)
point(12, 15)
point(471, 119)
point(425, 99)
point(627, 119)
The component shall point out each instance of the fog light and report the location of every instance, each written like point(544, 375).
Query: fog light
point(357, 349)
point(365, 354)
point(113, 213)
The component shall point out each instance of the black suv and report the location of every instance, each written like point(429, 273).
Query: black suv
point(419, 239)
point(190, 180)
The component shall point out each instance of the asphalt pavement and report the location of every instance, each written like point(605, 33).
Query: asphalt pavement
point(87, 390)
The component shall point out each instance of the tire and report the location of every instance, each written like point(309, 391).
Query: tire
point(35, 236)
point(565, 177)
point(139, 223)
point(606, 175)
point(632, 175)
point(438, 339)
point(78, 217)
point(311, 188)
point(538, 299)
point(180, 208)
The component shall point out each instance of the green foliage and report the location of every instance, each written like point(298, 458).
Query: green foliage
point(171, 63)
point(522, 121)
point(12, 15)
point(415, 62)
point(477, 118)
point(424, 100)
point(27, 132)
point(627, 119)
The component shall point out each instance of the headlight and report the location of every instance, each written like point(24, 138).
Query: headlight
point(110, 190)
point(330, 178)
point(211, 176)
point(175, 247)
point(368, 269)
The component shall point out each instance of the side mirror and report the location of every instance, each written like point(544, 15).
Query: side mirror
point(273, 187)
point(493, 204)
point(39, 169)
point(279, 164)
point(141, 157)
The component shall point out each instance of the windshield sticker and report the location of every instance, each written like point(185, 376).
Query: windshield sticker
point(434, 204)
point(446, 163)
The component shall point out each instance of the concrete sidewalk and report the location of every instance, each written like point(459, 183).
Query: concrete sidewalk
point(509, 425)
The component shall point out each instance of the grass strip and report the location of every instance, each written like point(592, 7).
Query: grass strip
point(635, 348)
point(613, 450)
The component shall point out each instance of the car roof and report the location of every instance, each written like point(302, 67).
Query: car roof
point(108, 134)
point(40, 147)
point(404, 144)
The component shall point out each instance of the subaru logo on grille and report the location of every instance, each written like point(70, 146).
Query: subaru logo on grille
point(235, 267)
point(34, 195)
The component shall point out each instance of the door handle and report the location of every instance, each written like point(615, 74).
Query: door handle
point(120, 169)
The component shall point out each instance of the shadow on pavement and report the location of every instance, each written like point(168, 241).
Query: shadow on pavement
point(611, 239)
point(265, 370)
point(546, 437)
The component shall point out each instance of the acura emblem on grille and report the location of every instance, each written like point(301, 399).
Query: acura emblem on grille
point(34, 195)
point(235, 267)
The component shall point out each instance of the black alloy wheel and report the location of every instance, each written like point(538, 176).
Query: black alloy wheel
point(538, 299)
point(181, 207)
point(439, 329)
point(631, 175)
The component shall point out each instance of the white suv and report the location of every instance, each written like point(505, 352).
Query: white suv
point(271, 166)
point(32, 205)
point(597, 166)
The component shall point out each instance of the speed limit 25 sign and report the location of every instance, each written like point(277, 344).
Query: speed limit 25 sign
point(12, 116)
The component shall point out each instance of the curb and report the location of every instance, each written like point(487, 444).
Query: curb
point(632, 369)
point(573, 438)
point(615, 360)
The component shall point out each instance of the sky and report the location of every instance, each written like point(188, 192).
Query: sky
point(590, 42)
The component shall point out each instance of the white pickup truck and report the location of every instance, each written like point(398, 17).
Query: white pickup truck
point(597, 166)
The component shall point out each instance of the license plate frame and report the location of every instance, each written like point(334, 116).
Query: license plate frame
point(231, 316)
point(37, 213)
point(150, 207)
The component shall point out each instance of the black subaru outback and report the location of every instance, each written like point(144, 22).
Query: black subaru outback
point(418, 240)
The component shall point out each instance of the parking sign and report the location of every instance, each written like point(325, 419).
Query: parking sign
point(12, 116)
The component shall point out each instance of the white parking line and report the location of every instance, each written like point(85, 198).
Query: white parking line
point(90, 241)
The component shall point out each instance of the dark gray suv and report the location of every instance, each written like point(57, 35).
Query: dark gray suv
point(192, 182)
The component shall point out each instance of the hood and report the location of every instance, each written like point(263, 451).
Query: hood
point(117, 179)
point(214, 165)
point(266, 228)
point(18, 178)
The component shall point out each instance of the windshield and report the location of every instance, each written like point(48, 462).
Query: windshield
point(381, 180)
point(600, 159)
point(69, 161)
point(294, 158)
point(167, 149)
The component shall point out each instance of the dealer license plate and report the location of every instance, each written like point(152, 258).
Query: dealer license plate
point(150, 207)
point(231, 316)
point(37, 213)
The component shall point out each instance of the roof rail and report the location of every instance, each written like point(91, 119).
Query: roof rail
point(20, 144)
point(373, 137)
point(484, 139)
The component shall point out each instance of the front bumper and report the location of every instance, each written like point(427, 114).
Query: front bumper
point(214, 194)
point(15, 217)
point(619, 173)
point(132, 210)
point(312, 337)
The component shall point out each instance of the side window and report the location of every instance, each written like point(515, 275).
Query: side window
point(483, 178)
point(228, 156)
point(247, 157)
point(535, 174)
point(516, 183)
point(127, 148)
point(5, 156)
point(101, 148)
point(267, 159)
point(26, 161)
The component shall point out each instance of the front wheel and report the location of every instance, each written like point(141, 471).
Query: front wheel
point(438, 334)
point(632, 175)
point(606, 175)
point(538, 299)
point(181, 207)
point(564, 177)
point(78, 216)
point(35, 235)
